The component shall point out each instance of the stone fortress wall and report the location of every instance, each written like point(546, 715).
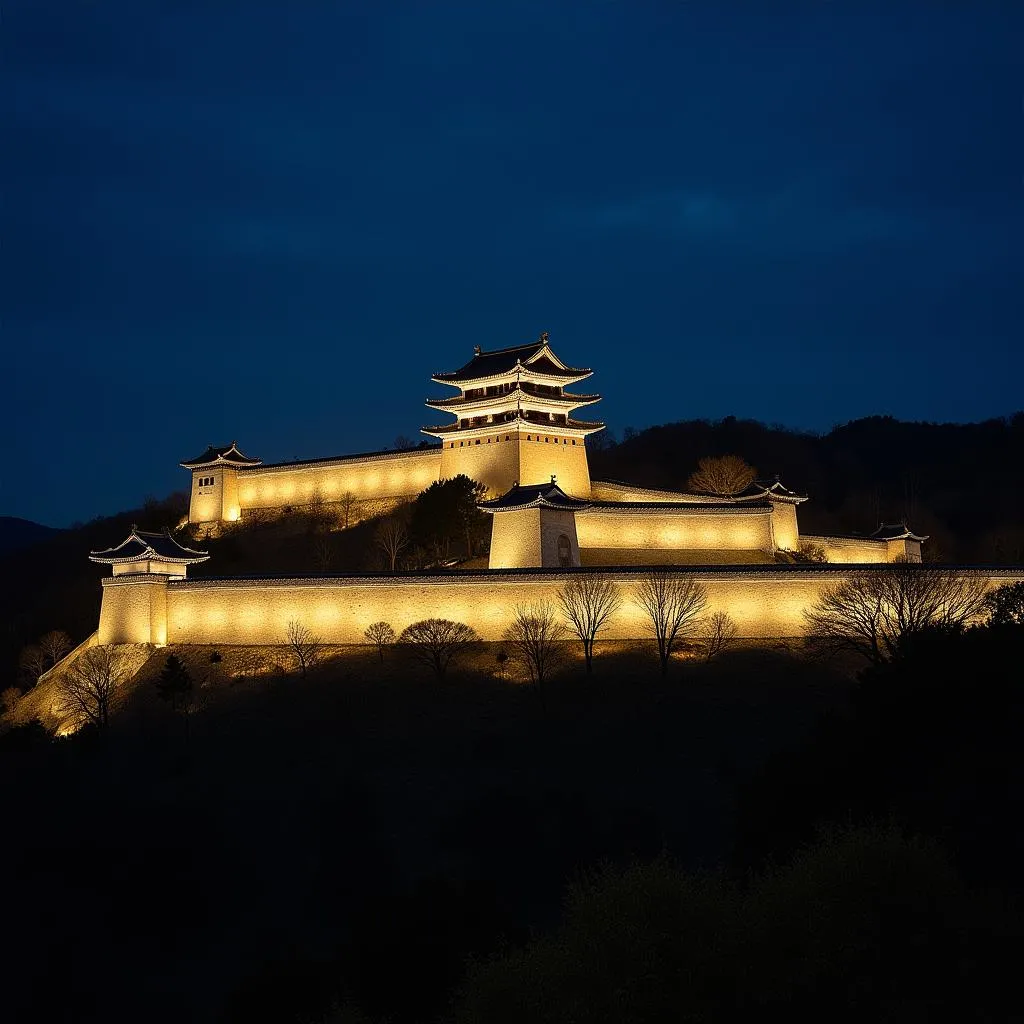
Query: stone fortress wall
point(399, 474)
point(765, 602)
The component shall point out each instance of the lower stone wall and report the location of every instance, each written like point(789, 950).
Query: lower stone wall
point(764, 602)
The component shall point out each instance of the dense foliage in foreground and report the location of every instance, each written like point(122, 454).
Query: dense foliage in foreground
point(398, 848)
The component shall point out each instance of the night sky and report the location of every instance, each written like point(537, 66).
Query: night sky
point(273, 221)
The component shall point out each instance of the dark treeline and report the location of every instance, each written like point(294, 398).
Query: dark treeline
point(959, 483)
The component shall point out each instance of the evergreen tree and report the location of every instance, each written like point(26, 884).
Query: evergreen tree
point(174, 685)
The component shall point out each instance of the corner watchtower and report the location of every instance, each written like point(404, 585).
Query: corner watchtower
point(134, 606)
point(214, 493)
point(513, 420)
point(534, 527)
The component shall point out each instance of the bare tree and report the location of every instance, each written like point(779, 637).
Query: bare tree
point(307, 648)
point(588, 602)
point(438, 642)
point(672, 602)
point(323, 551)
point(722, 474)
point(717, 634)
point(535, 638)
point(392, 537)
point(873, 610)
point(348, 500)
point(32, 663)
point(55, 645)
point(404, 443)
point(87, 690)
point(381, 634)
point(809, 552)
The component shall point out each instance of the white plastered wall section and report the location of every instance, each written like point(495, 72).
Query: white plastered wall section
point(668, 530)
point(401, 474)
point(515, 539)
point(494, 462)
point(860, 550)
point(527, 457)
point(764, 604)
point(134, 610)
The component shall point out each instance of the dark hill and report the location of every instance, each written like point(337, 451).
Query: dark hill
point(16, 533)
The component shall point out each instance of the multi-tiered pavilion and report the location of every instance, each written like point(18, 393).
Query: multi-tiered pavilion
point(513, 420)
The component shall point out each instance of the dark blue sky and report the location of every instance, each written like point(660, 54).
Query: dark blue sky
point(273, 221)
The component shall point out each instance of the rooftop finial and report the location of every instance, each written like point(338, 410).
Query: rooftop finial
point(476, 350)
point(543, 337)
point(553, 478)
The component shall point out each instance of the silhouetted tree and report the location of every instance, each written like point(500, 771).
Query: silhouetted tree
point(717, 633)
point(873, 610)
point(403, 443)
point(722, 474)
point(535, 638)
point(501, 659)
point(588, 601)
point(348, 500)
point(55, 645)
point(673, 603)
point(1005, 605)
point(87, 689)
point(446, 511)
point(174, 684)
point(32, 663)
point(864, 919)
point(307, 648)
point(380, 634)
point(437, 643)
point(323, 551)
point(392, 538)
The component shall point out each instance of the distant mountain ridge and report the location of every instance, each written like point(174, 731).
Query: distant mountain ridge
point(16, 533)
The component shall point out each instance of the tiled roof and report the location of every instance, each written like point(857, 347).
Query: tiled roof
point(895, 531)
point(520, 394)
point(548, 495)
point(142, 545)
point(682, 508)
point(228, 453)
point(490, 364)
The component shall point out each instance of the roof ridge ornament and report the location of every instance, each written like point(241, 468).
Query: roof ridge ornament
point(543, 339)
